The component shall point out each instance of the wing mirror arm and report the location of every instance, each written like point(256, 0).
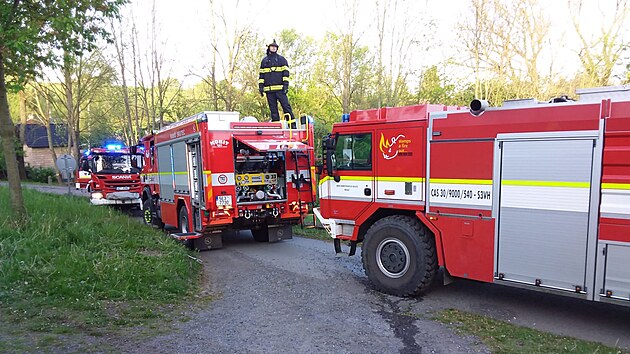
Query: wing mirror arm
point(329, 143)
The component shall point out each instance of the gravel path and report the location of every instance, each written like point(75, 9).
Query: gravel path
point(296, 297)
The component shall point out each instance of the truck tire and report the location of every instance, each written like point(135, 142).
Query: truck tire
point(149, 215)
point(399, 256)
point(262, 234)
point(184, 225)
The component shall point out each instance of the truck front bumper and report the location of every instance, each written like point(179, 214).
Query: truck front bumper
point(117, 202)
point(334, 230)
point(116, 198)
point(329, 224)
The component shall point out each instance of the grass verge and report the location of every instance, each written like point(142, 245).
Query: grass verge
point(315, 233)
point(319, 234)
point(76, 268)
point(503, 337)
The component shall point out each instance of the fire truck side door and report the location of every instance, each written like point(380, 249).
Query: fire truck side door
point(354, 167)
point(544, 212)
point(195, 173)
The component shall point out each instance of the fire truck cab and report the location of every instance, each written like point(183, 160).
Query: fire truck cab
point(530, 194)
point(111, 175)
point(214, 172)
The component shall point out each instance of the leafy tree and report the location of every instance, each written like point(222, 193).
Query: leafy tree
point(35, 34)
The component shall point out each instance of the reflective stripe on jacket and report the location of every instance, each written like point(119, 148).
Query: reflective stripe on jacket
point(274, 73)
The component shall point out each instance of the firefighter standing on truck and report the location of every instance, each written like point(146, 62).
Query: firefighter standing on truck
point(273, 80)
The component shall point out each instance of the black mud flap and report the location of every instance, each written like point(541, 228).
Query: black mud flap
point(340, 253)
point(281, 232)
point(208, 242)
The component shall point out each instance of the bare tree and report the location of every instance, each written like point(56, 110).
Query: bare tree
point(505, 41)
point(601, 53)
point(226, 69)
point(398, 28)
point(43, 115)
point(117, 37)
point(77, 86)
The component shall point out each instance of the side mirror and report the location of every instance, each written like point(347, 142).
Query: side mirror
point(329, 143)
point(133, 149)
point(330, 155)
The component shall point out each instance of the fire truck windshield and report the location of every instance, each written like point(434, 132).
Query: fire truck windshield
point(116, 163)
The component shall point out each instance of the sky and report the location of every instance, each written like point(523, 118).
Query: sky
point(184, 25)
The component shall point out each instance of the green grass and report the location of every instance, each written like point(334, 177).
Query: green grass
point(503, 337)
point(319, 234)
point(73, 267)
point(315, 233)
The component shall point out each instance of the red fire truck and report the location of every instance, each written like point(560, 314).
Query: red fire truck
point(111, 175)
point(531, 194)
point(213, 172)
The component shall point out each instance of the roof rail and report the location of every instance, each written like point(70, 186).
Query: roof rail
point(616, 93)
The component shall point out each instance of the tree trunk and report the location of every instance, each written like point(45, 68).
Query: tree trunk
point(7, 132)
point(53, 153)
point(22, 135)
point(47, 121)
point(72, 117)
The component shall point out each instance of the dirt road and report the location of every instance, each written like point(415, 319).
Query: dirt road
point(296, 296)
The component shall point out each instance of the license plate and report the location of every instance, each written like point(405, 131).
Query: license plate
point(224, 200)
point(122, 188)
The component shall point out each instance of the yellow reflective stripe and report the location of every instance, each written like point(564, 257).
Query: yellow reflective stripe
point(399, 179)
point(285, 78)
point(546, 184)
point(460, 181)
point(273, 88)
point(378, 179)
point(164, 173)
point(207, 172)
point(273, 69)
point(261, 81)
point(180, 173)
point(624, 186)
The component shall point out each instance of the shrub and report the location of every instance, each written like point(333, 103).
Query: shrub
point(40, 174)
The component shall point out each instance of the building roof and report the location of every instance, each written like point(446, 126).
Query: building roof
point(36, 136)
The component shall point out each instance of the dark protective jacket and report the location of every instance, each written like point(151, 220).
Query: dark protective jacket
point(274, 73)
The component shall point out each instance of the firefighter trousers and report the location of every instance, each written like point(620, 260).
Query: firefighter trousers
point(272, 98)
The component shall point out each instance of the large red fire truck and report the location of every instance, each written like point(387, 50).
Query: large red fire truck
point(529, 194)
point(111, 175)
point(213, 172)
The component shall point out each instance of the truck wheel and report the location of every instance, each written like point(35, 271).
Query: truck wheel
point(184, 226)
point(148, 215)
point(399, 256)
point(262, 234)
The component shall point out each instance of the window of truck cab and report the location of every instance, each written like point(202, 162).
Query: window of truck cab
point(354, 152)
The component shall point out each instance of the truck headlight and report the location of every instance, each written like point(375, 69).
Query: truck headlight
point(97, 195)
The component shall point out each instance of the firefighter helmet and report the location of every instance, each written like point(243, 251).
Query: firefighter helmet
point(273, 44)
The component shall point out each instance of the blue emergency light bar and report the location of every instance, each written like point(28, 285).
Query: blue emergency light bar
point(113, 147)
